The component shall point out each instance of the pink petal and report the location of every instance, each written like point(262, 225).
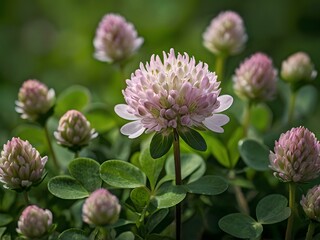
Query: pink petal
point(132, 129)
point(215, 122)
point(225, 102)
point(122, 111)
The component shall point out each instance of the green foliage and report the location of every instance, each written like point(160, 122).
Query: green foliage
point(5, 219)
point(168, 195)
point(207, 185)
point(73, 234)
point(160, 144)
point(193, 139)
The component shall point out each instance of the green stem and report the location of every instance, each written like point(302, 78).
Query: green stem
point(311, 229)
point(246, 118)
point(292, 105)
point(219, 67)
point(26, 197)
point(292, 194)
point(76, 154)
point(241, 199)
point(54, 158)
point(177, 163)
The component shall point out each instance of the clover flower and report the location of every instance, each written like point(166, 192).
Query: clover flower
point(296, 156)
point(255, 79)
point(311, 203)
point(101, 208)
point(226, 34)
point(74, 131)
point(298, 67)
point(116, 39)
point(34, 222)
point(174, 93)
point(21, 165)
point(34, 100)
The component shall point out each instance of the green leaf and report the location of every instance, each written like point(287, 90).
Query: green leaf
point(254, 154)
point(169, 195)
point(2, 230)
point(208, 185)
point(193, 139)
point(74, 97)
point(155, 219)
point(232, 146)
point(126, 236)
point(156, 236)
point(73, 234)
point(189, 164)
point(86, 171)
point(272, 209)
point(140, 197)
point(198, 173)
point(5, 219)
point(160, 144)
point(121, 222)
point(67, 187)
point(240, 226)
point(99, 117)
point(151, 167)
point(260, 117)
point(122, 174)
point(219, 151)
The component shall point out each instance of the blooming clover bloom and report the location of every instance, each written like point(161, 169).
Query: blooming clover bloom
point(34, 100)
point(296, 156)
point(226, 34)
point(116, 39)
point(34, 222)
point(21, 165)
point(255, 79)
point(101, 208)
point(298, 67)
point(174, 93)
point(74, 130)
point(311, 203)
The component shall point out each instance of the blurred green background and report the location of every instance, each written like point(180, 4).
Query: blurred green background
point(52, 41)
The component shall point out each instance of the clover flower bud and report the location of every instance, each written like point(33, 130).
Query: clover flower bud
point(34, 222)
point(171, 94)
point(116, 39)
point(101, 208)
point(298, 67)
point(74, 131)
point(21, 165)
point(296, 156)
point(256, 78)
point(226, 34)
point(35, 100)
point(311, 203)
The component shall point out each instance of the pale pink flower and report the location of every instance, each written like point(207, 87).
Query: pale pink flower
point(101, 208)
point(298, 67)
point(226, 34)
point(20, 165)
point(311, 203)
point(296, 156)
point(34, 100)
point(34, 222)
point(172, 93)
point(116, 39)
point(74, 130)
point(256, 78)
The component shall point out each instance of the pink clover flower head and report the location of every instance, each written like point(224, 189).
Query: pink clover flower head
point(296, 156)
point(298, 67)
point(34, 100)
point(226, 34)
point(34, 222)
point(101, 208)
point(21, 165)
point(311, 203)
point(116, 39)
point(256, 78)
point(74, 130)
point(172, 93)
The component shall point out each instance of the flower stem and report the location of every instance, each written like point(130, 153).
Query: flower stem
point(26, 197)
point(311, 229)
point(219, 67)
point(292, 105)
point(292, 194)
point(176, 151)
point(241, 200)
point(76, 154)
point(54, 158)
point(246, 118)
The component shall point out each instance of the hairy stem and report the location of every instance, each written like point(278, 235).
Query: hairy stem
point(292, 194)
point(177, 163)
point(292, 106)
point(311, 229)
point(219, 66)
point(26, 197)
point(54, 158)
point(246, 118)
